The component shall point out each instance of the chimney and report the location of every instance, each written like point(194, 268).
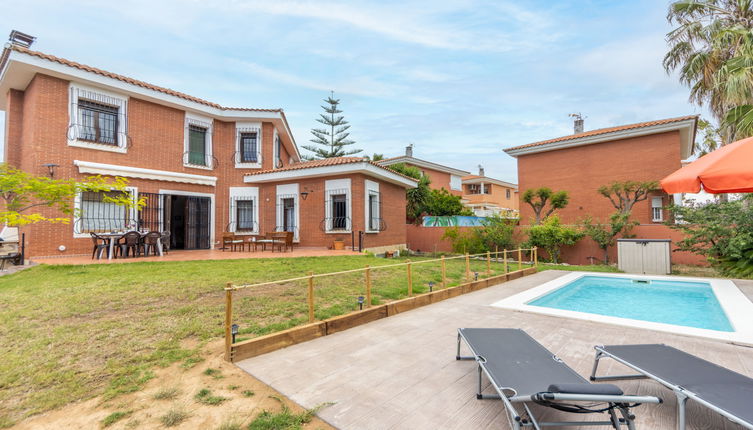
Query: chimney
point(409, 150)
point(21, 39)
point(481, 170)
point(577, 122)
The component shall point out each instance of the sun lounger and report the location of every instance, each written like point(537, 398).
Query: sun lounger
point(717, 388)
point(522, 371)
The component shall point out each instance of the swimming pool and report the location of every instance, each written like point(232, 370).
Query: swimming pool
point(712, 308)
point(690, 304)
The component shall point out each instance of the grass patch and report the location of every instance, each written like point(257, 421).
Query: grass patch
point(247, 393)
point(167, 393)
point(233, 387)
point(205, 397)
point(283, 420)
point(115, 417)
point(214, 373)
point(174, 416)
point(231, 424)
point(68, 333)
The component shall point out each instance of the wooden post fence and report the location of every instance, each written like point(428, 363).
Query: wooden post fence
point(504, 259)
point(444, 274)
point(410, 279)
point(467, 267)
point(520, 259)
point(367, 274)
point(228, 320)
point(311, 297)
point(536, 256)
point(488, 263)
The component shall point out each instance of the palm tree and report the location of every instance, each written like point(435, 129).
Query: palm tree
point(710, 48)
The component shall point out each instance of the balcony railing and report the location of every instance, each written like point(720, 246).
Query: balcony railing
point(335, 224)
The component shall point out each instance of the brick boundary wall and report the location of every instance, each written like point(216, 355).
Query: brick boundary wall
point(429, 239)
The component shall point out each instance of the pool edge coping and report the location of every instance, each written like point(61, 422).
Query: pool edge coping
point(737, 307)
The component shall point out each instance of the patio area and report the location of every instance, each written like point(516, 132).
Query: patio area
point(199, 254)
point(400, 372)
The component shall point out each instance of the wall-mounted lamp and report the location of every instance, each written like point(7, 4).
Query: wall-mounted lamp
point(234, 331)
point(360, 302)
point(50, 169)
point(304, 194)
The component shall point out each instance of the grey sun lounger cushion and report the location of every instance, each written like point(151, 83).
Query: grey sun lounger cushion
point(729, 391)
point(600, 389)
point(517, 362)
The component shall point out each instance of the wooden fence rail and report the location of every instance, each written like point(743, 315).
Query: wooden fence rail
point(311, 276)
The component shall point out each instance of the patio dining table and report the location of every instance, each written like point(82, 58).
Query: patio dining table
point(113, 236)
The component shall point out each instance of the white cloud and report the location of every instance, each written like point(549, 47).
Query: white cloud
point(412, 23)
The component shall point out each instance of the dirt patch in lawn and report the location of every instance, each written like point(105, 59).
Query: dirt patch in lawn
point(209, 394)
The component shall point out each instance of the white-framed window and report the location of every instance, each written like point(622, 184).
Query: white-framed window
point(288, 213)
point(277, 151)
point(456, 183)
point(372, 207)
point(337, 206)
point(197, 149)
point(97, 119)
point(248, 140)
point(94, 214)
point(657, 213)
point(244, 210)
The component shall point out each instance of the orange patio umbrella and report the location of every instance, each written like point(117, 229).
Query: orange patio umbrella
point(729, 169)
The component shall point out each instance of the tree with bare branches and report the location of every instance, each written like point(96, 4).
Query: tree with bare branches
point(539, 198)
point(624, 195)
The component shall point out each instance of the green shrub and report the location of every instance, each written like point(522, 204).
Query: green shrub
point(551, 235)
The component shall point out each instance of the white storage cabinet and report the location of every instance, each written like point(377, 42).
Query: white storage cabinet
point(649, 256)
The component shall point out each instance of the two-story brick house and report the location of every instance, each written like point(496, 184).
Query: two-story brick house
point(584, 161)
point(202, 168)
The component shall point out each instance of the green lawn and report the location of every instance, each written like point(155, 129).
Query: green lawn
point(74, 332)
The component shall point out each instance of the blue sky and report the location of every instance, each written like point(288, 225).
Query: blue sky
point(460, 80)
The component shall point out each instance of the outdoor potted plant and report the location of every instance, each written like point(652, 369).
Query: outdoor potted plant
point(339, 244)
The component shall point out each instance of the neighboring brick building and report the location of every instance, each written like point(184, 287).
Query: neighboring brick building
point(441, 176)
point(582, 162)
point(202, 168)
point(487, 196)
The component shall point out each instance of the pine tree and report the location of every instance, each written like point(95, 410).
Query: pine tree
point(332, 142)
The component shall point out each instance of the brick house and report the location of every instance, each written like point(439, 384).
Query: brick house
point(582, 162)
point(441, 176)
point(202, 168)
point(487, 196)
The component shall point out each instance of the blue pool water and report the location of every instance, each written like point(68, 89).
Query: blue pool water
point(690, 304)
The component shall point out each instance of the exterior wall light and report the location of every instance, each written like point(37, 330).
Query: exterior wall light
point(50, 169)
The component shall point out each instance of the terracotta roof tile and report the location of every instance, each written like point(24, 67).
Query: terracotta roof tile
point(325, 162)
point(605, 131)
point(128, 80)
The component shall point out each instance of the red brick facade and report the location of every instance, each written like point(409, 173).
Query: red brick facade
point(37, 130)
point(581, 170)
